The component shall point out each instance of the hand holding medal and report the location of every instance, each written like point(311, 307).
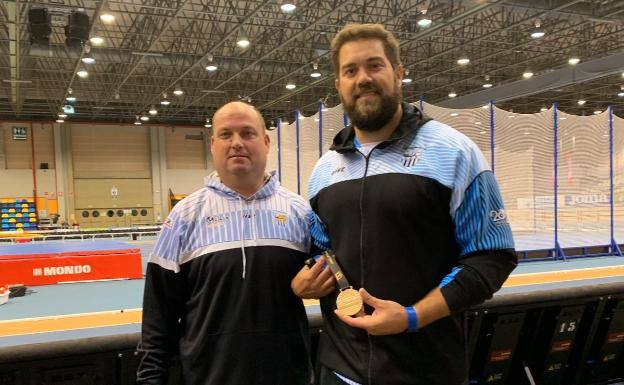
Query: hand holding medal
point(349, 301)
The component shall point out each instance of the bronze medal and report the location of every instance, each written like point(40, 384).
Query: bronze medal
point(349, 302)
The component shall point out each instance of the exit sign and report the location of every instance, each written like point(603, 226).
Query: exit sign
point(20, 133)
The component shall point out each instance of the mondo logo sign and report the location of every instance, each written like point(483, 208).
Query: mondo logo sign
point(62, 270)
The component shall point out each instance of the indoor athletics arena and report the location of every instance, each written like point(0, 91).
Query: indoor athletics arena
point(105, 124)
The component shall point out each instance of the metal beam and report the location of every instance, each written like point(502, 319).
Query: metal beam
point(583, 72)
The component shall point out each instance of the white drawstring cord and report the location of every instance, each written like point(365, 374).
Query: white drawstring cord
point(242, 231)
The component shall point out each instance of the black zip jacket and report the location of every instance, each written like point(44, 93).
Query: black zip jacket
point(421, 210)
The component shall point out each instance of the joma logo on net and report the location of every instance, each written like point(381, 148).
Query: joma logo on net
point(62, 270)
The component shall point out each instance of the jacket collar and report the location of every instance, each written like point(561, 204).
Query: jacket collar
point(270, 186)
point(411, 120)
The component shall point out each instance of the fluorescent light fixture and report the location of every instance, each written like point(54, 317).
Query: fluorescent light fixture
point(574, 61)
point(288, 6)
point(543, 109)
point(527, 74)
point(211, 68)
point(406, 80)
point(88, 59)
point(60, 121)
point(581, 102)
point(178, 92)
point(96, 40)
point(537, 34)
point(153, 111)
point(462, 61)
point(107, 17)
point(487, 85)
point(207, 125)
point(144, 118)
point(290, 86)
point(424, 22)
point(165, 102)
point(621, 94)
point(70, 98)
point(137, 123)
point(82, 73)
point(454, 114)
point(315, 74)
point(597, 112)
point(243, 42)
point(62, 116)
point(452, 94)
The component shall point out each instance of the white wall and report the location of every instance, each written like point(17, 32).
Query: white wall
point(186, 181)
point(19, 183)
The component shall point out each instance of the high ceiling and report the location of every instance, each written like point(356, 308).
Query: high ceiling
point(154, 47)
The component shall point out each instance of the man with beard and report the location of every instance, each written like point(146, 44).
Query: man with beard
point(416, 221)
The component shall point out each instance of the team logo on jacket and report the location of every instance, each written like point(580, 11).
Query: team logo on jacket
point(499, 217)
point(411, 156)
point(281, 218)
point(216, 220)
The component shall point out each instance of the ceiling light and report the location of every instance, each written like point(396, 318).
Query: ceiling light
point(315, 73)
point(96, 40)
point(452, 94)
point(243, 42)
point(407, 79)
point(137, 123)
point(527, 74)
point(563, 118)
point(597, 112)
point(288, 6)
point(621, 94)
point(178, 92)
point(481, 132)
point(485, 106)
point(487, 85)
point(70, 98)
point(424, 21)
point(211, 68)
point(88, 59)
point(543, 109)
point(144, 118)
point(82, 73)
point(454, 114)
point(511, 116)
point(538, 32)
point(462, 61)
point(164, 100)
point(107, 17)
point(153, 111)
point(478, 123)
point(60, 121)
point(290, 86)
point(62, 116)
point(207, 125)
point(574, 60)
point(581, 102)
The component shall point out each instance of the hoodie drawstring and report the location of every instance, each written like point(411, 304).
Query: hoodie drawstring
point(242, 232)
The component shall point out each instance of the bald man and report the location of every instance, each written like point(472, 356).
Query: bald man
point(217, 287)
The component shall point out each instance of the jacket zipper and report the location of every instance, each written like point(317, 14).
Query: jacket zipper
point(370, 342)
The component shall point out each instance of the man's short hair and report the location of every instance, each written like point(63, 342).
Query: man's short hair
point(353, 32)
point(260, 118)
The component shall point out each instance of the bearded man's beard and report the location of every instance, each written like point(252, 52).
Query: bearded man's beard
point(372, 115)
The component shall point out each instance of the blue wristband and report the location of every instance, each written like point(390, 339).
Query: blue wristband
point(412, 319)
